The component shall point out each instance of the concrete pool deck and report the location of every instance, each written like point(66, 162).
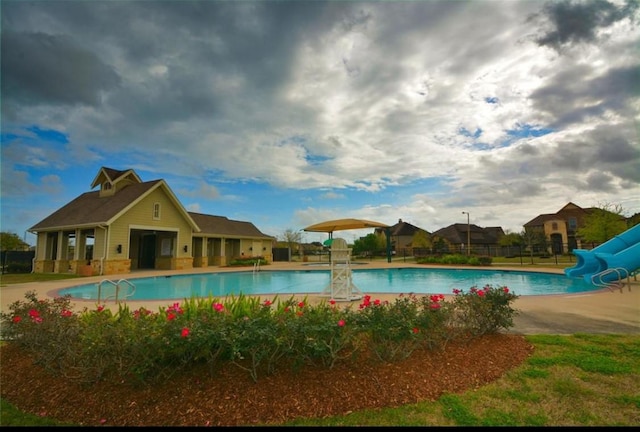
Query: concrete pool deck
point(601, 311)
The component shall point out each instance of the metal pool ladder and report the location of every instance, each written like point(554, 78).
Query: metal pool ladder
point(131, 288)
point(621, 273)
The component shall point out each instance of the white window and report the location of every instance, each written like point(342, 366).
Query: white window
point(156, 211)
point(106, 185)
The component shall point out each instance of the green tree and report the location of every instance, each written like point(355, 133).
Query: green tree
point(11, 241)
point(603, 223)
point(512, 242)
point(511, 239)
point(369, 243)
point(421, 239)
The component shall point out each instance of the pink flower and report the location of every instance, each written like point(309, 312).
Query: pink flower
point(218, 307)
point(66, 313)
point(100, 308)
point(171, 316)
point(416, 330)
point(376, 302)
point(332, 302)
point(481, 293)
point(33, 313)
point(341, 323)
point(184, 333)
point(17, 319)
point(505, 289)
point(175, 308)
point(435, 306)
point(267, 303)
point(301, 304)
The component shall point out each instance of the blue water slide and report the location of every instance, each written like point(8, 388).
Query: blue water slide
point(587, 262)
point(628, 259)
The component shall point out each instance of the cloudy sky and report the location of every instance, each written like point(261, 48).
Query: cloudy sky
point(290, 113)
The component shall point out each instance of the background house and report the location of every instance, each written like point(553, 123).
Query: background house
point(130, 225)
point(561, 228)
point(484, 241)
point(401, 236)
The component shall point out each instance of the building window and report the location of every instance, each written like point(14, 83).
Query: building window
point(573, 224)
point(554, 226)
point(106, 186)
point(156, 211)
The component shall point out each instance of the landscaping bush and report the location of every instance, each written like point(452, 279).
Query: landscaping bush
point(256, 335)
point(456, 259)
point(240, 262)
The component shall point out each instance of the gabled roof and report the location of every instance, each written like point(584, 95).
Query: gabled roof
point(569, 210)
point(220, 225)
point(402, 228)
point(112, 175)
point(90, 209)
point(405, 229)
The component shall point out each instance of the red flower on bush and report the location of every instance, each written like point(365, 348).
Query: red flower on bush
point(218, 307)
point(175, 308)
point(171, 316)
point(17, 319)
point(341, 323)
point(66, 313)
point(184, 333)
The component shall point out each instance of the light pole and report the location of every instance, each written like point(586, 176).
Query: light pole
point(468, 234)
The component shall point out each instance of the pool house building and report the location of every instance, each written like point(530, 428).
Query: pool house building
point(130, 224)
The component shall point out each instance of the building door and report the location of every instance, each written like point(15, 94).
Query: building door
point(556, 244)
point(148, 251)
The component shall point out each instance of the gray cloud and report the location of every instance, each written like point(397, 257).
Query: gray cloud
point(38, 68)
point(575, 21)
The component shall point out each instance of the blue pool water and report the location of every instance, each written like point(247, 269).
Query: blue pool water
point(369, 281)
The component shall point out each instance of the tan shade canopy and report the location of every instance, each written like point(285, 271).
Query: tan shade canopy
point(344, 224)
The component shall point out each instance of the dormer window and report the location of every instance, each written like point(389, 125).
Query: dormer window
point(156, 211)
point(106, 186)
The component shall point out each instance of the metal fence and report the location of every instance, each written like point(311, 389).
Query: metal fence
point(17, 261)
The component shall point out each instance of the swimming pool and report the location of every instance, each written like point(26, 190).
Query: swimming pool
point(369, 281)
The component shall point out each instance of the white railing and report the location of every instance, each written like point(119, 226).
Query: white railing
point(620, 272)
point(117, 295)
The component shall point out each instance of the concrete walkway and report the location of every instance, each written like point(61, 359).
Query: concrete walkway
point(603, 311)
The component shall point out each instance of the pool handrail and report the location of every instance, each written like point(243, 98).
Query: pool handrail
point(117, 287)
